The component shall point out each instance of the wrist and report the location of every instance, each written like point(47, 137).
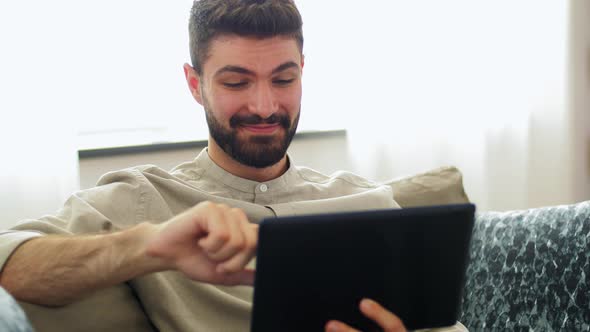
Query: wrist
point(137, 240)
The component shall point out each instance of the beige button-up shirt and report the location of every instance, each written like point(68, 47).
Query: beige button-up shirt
point(125, 198)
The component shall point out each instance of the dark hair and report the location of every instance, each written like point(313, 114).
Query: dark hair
point(247, 18)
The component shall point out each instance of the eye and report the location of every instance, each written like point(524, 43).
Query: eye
point(283, 82)
point(235, 85)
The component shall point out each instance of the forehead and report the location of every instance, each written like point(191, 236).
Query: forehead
point(260, 55)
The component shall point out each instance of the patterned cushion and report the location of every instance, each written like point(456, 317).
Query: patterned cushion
point(12, 317)
point(530, 270)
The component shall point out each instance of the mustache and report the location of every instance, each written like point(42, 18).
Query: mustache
point(254, 119)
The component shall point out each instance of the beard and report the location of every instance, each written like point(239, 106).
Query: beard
point(259, 151)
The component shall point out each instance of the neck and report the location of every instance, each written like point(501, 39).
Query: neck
point(234, 167)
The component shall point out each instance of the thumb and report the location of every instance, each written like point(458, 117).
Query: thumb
point(245, 277)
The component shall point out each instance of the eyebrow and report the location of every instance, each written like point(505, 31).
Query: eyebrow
point(242, 70)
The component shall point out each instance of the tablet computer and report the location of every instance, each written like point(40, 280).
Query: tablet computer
point(314, 268)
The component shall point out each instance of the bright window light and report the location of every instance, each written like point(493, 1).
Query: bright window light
point(112, 70)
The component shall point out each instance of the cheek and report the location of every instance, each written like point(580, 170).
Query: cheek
point(225, 105)
point(291, 99)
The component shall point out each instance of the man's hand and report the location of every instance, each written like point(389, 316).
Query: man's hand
point(387, 320)
point(210, 242)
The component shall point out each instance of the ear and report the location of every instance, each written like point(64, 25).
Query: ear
point(194, 82)
point(302, 62)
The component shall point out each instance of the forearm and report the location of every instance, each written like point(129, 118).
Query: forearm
point(57, 270)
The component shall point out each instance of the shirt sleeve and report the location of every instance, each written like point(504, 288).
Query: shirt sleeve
point(10, 240)
point(116, 203)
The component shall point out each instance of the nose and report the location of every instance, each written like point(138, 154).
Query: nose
point(263, 102)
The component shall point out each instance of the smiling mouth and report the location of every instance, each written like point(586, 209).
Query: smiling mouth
point(262, 128)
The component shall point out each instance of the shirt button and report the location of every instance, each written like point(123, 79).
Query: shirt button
point(263, 188)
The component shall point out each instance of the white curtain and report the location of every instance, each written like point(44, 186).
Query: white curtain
point(38, 167)
point(479, 85)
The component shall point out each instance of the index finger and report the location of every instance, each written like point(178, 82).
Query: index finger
point(383, 317)
point(247, 248)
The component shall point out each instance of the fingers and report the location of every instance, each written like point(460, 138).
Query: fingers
point(216, 227)
point(245, 277)
point(224, 238)
point(231, 239)
point(383, 317)
point(336, 326)
point(247, 248)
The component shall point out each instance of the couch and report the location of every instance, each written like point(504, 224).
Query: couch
point(529, 270)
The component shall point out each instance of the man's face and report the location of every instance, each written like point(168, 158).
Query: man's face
point(251, 92)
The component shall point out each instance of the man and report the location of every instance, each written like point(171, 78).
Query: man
point(184, 239)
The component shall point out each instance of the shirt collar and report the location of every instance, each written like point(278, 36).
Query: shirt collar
point(282, 183)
